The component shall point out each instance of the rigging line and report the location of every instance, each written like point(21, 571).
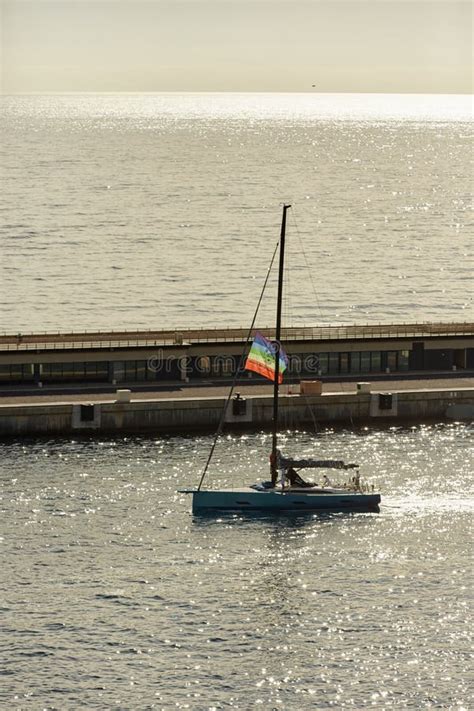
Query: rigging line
point(287, 296)
point(340, 384)
point(308, 404)
point(288, 315)
point(311, 412)
point(287, 286)
point(315, 293)
point(239, 369)
point(289, 279)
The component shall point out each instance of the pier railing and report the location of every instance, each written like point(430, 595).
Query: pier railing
point(185, 336)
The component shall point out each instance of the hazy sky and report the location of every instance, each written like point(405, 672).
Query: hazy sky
point(236, 45)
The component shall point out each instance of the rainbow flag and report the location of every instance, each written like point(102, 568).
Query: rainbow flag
point(261, 358)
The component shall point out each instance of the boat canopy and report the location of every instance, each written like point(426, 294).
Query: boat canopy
point(286, 463)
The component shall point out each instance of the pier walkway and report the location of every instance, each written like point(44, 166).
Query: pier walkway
point(86, 340)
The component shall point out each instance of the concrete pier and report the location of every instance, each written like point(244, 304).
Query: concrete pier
point(183, 414)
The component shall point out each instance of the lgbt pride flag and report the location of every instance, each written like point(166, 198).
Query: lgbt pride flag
point(261, 358)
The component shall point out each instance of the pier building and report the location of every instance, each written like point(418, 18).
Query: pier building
point(160, 356)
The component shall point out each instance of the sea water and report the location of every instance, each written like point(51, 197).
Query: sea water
point(114, 596)
point(163, 210)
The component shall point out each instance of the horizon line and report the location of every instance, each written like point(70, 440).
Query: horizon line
point(226, 91)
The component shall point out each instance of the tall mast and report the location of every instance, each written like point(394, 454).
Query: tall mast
point(274, 463)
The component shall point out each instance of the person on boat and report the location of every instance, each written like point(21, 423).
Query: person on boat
point(326, 481)
point(296, 480)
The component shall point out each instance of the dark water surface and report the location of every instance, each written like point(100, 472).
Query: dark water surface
point(114, 596)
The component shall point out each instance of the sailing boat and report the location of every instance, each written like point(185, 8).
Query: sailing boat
point(287, 490)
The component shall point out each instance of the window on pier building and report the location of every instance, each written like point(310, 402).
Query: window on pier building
point(159, 368)
point(375, 361)
point(203, 365)
point(137, 371)
point(52, 371)
point(344, 362)
point(72, 371)
point(14, 372)
point(295, 364)
point(403, 358)
point(392, 360)
point(198, 366)
point(95, 370)
point(142, 370)
point(355, 362)
point(365, 362)
point(224, 365)
point(333, 365)
point(323, 363)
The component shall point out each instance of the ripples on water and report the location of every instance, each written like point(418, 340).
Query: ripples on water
point(114, 596)
point(125, 211)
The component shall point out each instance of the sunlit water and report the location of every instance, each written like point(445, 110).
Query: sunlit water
point(162, 210)
point(114, 596)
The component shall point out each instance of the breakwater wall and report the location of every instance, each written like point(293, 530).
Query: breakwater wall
point(182, 415)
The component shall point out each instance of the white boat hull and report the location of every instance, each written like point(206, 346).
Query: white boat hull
point(248, 499)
